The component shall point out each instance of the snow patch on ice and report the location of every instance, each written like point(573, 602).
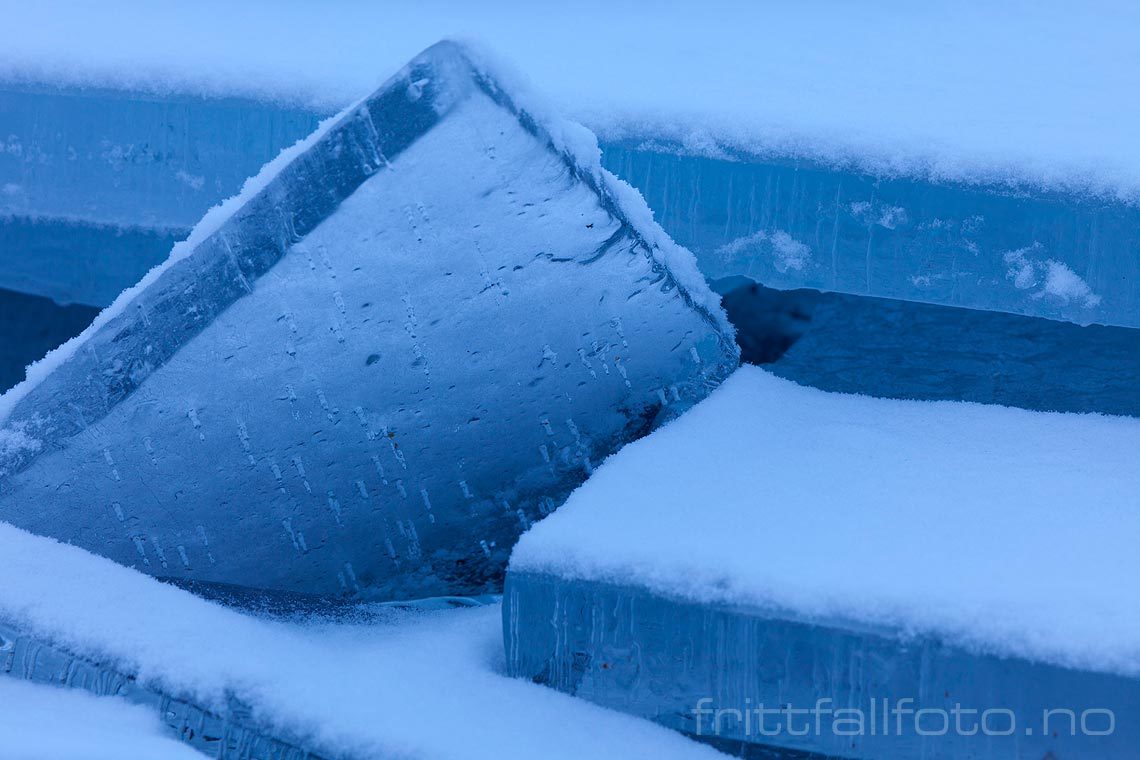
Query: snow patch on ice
point(893, 513)
point(1064, 283)
point(1055, 278)
point(193, 181)
point(786, 252)
point(743, 244)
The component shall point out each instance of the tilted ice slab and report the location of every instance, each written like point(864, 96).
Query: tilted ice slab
point(383, 682)
point(406, 340)
point(780, 544)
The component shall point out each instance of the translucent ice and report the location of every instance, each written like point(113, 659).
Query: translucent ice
point(406, 340)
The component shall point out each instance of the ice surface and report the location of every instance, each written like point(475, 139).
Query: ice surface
point(984, 158)
point(408, 338)
point(382, 683)
point(995, 529)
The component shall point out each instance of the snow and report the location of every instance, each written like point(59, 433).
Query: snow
point(1025, 91)
point(210, 223)
point(393, 683)
point(1000, 530)
point(53, 723)
point(1056, 278)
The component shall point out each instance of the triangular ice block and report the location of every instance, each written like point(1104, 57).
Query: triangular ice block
point(410, 338)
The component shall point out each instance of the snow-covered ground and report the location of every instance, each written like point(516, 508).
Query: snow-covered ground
point(1002, 530)
point(393, 684)
point(1037, 91)
point(40, 722)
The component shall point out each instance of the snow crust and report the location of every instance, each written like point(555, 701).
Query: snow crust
point(1001, 530)
point(1037, 92)
point(400, 684)
point(54, 723)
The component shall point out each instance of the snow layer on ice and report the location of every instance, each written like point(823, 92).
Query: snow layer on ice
point(53, 723)
point(999, 529)
point(402, 683)
point(1037, 91)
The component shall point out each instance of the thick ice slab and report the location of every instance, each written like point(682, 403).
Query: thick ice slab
point(884, 545)
point(408, 338)
point(381, 681)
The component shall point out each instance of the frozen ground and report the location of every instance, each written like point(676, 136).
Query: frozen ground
point(1038, 91)
point(1001, 530)
point(393, 684)
point(41, 722)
